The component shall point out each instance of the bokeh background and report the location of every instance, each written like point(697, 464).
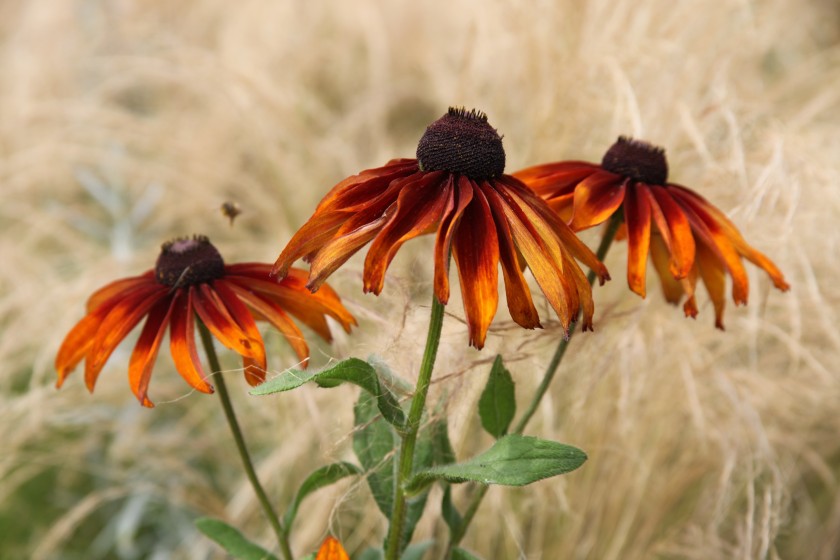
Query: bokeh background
point(125, 123)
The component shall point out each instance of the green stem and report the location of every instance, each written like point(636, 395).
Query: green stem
point(279, 530)
point(405, 467)
point(548, 377)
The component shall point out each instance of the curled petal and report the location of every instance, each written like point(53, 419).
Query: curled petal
point(714, 278)
point(476, 252)
point(675, 229)
point(460, 196)
point(336, 252)
point(597, 198)
point(318, 230)
point(419, 207)
point(182, 342)
point(671, 287)
point(146, 350)
point(218, 321)
point(554, 180)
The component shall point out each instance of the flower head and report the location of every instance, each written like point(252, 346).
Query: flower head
point(685, 235)
point(457, 188)
point(190, 278)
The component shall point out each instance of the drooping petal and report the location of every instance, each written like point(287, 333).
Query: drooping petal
point(146, 350)
point(182, 342)
point(460, 196)
point(519, 301)
point(476, 251)
point(119, 287)
point(219, 322)
point(419, 208)
point(708, 229)
point(745, 249)
point(239, 312)
point(116, 325)
point(331, 549)
point(319, 229)
point(637, 216)
point(671, 287)
point(337, 251)
point(359, 192)
point(541, 254)
point(524, 198)
point(553, 180)
point(278, 318)
point(689, 284)
point(675, 229)
point(714, 278)
point(597, 198)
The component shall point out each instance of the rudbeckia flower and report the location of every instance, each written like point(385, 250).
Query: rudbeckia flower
point(457, 188)
point(189, 279)
point(685, 235)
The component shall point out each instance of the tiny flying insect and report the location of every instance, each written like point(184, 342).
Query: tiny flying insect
point(230, 210)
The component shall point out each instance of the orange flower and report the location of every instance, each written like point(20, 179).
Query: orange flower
point(685, 235)
point(191, 278)
point(331, 549)
point(456, 187)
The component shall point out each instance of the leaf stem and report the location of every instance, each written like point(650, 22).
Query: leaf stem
point(405, 466)
point(548, 377)
point(230, 415)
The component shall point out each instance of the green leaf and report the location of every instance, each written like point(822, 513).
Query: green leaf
point(371, 554)
point(320, 478)
point(513, 460)
point(450, 513)
point(375, 444)
point(352, 370)
point(310, 556)
point(442, 452)
point(232, 540)
point(417, 550)
point(461, 554)
point(497, 404)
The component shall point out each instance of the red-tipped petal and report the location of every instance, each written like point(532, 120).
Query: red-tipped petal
point(597, 198)
point(239, 312)
point(219, 322)
point(146, 350)
point(182, 342)
point(476, 251)
point(637, 216)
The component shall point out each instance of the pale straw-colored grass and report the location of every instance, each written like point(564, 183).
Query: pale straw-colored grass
point(126, 123)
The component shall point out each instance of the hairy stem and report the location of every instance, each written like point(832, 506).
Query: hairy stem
point(548, 377)
point(224, 395)
point(409, 435)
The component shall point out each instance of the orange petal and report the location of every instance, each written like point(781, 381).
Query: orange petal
point(676, 231)
point(119, 288)
point(146, 350)
point(542, 254)
point(227, 299)
point(118, 323)
point(519, 301)
point(182, 343)
point(460, 196)
point(714, 278)
point(710, 231)
point(637, 216)
point(80, 339)
point(319, 229)
point(688, 284)
point(476, 252)
point(337, 251)
point(419, 207)
point(278, 318)
point(671, 287)
point(369, 187)
point(597, 198)
point(553, 180)
point(218, 321)
point(568, 239)
point(331, 549)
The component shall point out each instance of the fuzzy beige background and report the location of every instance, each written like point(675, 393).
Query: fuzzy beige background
point(125, 123)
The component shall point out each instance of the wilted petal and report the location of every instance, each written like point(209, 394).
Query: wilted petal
point(714, 278)
point(671, 287)
point(637, 216)
point(476, 252)
point(597, 198)
point(676, 231)
point(460, 196)
point(227, 299)
point(218, 321)
point(554, 180)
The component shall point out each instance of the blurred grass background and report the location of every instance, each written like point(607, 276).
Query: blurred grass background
point(126, 123)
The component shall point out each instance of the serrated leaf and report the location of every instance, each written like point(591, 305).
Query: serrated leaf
point(375, 444)
point(497, 404)
point(351, 370)
point(232, 540)
point(513, 460)
point(318, 479)
point(461, 554)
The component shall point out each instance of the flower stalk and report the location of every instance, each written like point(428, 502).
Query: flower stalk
point(409, 434)
point(250, 472)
